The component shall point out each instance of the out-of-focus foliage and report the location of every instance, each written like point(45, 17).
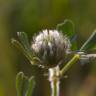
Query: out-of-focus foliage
point(90, 43)
point(68, 28)
point(32, 16)
point(24, 85)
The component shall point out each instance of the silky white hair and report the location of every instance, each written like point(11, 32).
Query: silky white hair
point(50, 46)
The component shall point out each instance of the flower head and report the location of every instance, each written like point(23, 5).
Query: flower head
point(50, 46)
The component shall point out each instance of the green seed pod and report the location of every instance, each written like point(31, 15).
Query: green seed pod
point(51, 47)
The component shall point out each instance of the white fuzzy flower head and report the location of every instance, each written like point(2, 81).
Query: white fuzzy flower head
point(50, 46)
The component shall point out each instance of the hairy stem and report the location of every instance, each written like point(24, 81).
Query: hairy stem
point(54, 80)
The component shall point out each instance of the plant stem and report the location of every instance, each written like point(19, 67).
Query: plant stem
point(54, 80)
point(88, 41)
point(55, 88)
point(69, 64)
point(55, 73)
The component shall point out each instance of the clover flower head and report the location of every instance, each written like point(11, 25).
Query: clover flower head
point(51, 47)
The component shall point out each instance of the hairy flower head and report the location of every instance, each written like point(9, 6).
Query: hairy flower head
point(50, 46)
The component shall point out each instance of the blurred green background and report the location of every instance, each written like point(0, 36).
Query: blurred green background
point(32, 16)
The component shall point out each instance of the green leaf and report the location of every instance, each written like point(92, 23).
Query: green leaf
point(30, 87)
point(74, 43)
point(21, 84)
point(24, 85)
point(67, 27)
point(90, 43)
point(22, 49)
point(24, 40)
